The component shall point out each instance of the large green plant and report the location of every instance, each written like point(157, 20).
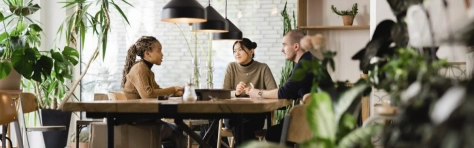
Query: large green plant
point(83, 20)
point(20, 39)
point(288, 67)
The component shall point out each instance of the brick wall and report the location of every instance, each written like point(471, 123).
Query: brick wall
point(259, 20)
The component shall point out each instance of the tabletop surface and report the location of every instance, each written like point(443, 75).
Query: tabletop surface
point(234, 105)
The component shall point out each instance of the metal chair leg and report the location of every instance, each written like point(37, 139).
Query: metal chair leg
point(19, 138)
point(8, 140)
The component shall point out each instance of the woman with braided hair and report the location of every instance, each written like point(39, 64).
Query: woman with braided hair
point(138, 80)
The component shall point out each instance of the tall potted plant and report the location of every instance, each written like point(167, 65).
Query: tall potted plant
point(83, 20)
point(19, 42)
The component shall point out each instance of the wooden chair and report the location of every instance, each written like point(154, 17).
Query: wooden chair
point(224, 132)
point(28, 104)
point(116, 96)
point(295, 126)
point(8, 114)
point(80, 124)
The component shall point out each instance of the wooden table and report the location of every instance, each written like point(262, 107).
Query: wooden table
point(116, 110)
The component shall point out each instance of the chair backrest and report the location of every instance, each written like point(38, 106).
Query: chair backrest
point(117, 96)
point(100, 96)
point(7, 109)
point(29, 103)
point(298, 130)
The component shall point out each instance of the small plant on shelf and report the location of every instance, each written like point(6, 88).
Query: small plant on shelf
point(347, 15)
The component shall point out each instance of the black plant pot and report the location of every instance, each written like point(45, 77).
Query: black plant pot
point(55, 139)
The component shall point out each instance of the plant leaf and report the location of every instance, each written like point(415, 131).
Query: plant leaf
point(23, 61)
point(317, 143)
point(43, 67)
point(71, 55)
point(320, 116)
point(5, 69)
point(359, 136)
point(35, 27)
point(57, 56)
point(348, 97)
point(346, 125)
point(2, 17)
point(254, 144)
point(121, 13)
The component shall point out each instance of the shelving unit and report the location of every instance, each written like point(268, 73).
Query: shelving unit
point(316, 16)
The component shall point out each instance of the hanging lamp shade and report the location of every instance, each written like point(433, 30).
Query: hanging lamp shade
point(215, 22)
point(183, 11)
point(234, 33)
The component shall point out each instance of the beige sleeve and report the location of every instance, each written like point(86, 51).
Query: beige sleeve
point(145, 88)
point(228, 78)
point(268, 79)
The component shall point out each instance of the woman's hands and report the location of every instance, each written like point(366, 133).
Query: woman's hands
point(240, 88)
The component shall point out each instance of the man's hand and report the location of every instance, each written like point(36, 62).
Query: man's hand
point(240, 88)
point(253, 93)
point(306, 98)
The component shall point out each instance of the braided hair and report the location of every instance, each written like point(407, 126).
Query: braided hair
point(144, 43)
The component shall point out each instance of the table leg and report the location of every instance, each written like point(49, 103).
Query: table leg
point(190, 132)
point(77, 135)
point(210, 130)
point(8, 135)
point(110, 131)
point(239, 128)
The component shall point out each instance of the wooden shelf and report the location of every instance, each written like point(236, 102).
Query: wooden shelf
point(361, 27)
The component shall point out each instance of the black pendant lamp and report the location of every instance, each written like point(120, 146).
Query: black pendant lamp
point(234, 33)
point(183, 11)
point(215, 22)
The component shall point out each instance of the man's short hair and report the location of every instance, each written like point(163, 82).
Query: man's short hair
point(295, 35)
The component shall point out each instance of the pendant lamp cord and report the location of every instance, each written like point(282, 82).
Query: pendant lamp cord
point(225, 8)
point(209, 2)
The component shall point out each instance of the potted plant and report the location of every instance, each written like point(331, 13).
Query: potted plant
point(347, 15)
point(20, 40)
point(19, 43)
point(45, 72)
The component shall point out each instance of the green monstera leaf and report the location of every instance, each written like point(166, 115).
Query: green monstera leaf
point(43, 68)
point(24, 60)
point(5, 69)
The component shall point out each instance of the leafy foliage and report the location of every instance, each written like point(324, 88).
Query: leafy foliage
point(288, 67)
point(351, 12)
point(20, 40)
point(81, 21)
